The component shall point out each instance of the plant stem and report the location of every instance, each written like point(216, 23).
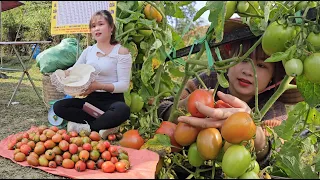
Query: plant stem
point(257, 115)
point(285, 85)
point(200, 80)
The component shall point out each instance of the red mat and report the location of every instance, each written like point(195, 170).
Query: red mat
point(143, 165)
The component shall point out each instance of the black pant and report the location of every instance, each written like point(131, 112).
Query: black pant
point(116, 110)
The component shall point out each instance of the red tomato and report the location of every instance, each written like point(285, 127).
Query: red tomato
point(222, 104)
point(199, 95)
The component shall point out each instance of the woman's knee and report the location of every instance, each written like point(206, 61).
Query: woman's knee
point(120, 107)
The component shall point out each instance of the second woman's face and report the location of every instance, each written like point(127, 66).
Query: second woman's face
point(100, 29)
point(241, 78)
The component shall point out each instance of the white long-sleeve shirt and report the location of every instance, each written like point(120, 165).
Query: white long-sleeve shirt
point(114, 68)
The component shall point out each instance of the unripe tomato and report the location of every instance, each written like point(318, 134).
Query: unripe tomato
point(209, 143)
point(194, 156)
point(256, 166)
point(249, 175)
point(293, 67)
point(136, 102)
point(152, 13)
point(242, 6)
point(236, 161)
point(275, 38)
point(238, 127)
point(230, 9)
point(310, 66)
point(199, 95)
point(314, 39)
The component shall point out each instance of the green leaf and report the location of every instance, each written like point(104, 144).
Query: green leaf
point(288, 127)
point(160, 144)
point(279, 56)
point(313, 117)
point(146, 71)
point(216, 17)
point(290, 165)
point(176, 72)
point(182, 3)
point(156, 45)
point(127, 97)
point(317, 162)
point(200, 12)
point(310, 91)
point(133, 49)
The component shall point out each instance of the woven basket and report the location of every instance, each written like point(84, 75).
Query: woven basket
point(50, 92)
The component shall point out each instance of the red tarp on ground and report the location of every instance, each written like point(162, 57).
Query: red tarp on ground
point(143, 164)
point(6, 5)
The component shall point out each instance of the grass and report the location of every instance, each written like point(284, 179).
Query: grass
point(30, 111)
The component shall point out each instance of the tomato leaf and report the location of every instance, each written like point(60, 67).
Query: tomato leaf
point(296, 116)
point(309, 91)
point(317, 162)
point(160, 144)
point(200, 12)
point(133, 49)
point(216, 17)
point(279, 56)
point(146, 71)
point(176, 72)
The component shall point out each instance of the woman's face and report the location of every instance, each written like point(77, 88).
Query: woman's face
point(241, 78)
point(100, 29)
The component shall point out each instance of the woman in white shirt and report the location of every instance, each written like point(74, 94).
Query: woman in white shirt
point(113, 62)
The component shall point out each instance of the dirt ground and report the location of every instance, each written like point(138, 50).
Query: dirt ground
point(30, 111)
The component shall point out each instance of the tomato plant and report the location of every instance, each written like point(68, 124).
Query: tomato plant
point(293, 67)
point(199, 95)
point(235, 161)
point(238, 127)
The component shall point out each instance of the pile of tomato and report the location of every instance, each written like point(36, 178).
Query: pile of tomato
point(52, 147)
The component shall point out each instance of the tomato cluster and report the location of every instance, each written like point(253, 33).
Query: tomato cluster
point(52, 147)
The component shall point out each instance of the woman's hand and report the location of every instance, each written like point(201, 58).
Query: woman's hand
point(93, 86)
point(216, 116)
point(67, 73)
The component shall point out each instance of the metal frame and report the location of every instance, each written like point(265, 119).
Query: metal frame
point(24, 69)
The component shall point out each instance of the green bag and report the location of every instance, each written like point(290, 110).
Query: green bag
point(61, 56)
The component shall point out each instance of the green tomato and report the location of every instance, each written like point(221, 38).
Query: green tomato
point(242, 6)
point(256, 166)
point(236, 161)
point(136, 102)
point(275, 37)
point(310, 66)
point(314, 39)
point(293, 67)
point(255, 4)
point(249, 175)
point(144, 32)
point(230, 8)
point(194, 156)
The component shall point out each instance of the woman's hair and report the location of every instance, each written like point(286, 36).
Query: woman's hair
point(108, 17)
point(232, 49)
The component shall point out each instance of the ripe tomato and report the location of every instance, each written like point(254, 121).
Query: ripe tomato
point(230, 8)
point(194, 156)
point(152, 13)
point(168, 128)
point(185, 134)
point(275, 38)
point(112, 137)
point(249, 175)
point(108, 167)
point(136, 102)
point(209, 143)
point(199, 95)
point(222, 104)
point(131, 139)
point(293, 67)
point(242, 6)
point(314, 39)
point(236, 161)
point(311, 65)
point(238, 127)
